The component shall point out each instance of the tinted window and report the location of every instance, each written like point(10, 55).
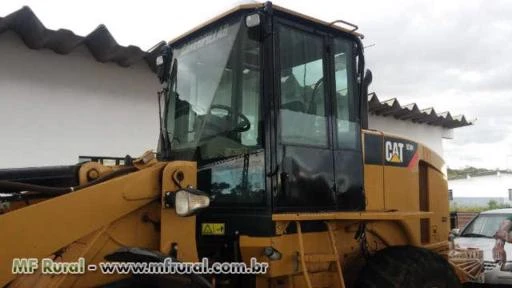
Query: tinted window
point(215, 100)
point(240, 180)
point(347, 122)
point(302, 111)
point(214, 113)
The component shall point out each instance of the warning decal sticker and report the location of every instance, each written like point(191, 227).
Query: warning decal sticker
point(212, 229)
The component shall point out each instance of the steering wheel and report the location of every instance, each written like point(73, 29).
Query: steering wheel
point(242, 126)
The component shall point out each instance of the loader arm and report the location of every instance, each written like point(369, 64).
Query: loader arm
point(42, 229)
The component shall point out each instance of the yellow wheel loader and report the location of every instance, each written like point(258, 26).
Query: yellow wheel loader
point(265, 159)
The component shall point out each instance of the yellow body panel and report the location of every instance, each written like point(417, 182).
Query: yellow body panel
point(438, 189)
point(175, 229)
point(41, 229)
point(400, 191)
point(380, 234)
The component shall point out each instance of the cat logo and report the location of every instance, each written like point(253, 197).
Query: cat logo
point(394, 152)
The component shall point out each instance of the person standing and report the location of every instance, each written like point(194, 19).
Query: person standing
point(502, 236)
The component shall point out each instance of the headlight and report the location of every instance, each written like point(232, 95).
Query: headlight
point(187, 203)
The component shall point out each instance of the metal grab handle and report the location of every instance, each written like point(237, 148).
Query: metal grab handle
point(284, 182)
point(346, 23)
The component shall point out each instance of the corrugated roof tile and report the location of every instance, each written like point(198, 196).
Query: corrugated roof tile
point(100, 41)
point(392, 108)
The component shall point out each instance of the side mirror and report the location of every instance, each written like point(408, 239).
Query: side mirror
point(163, 64)
point(367, 80)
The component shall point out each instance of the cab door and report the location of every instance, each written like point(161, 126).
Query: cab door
point(319, 153)
point(346, 119)
point(305, 157)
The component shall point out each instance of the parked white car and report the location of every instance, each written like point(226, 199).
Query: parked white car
point(479, 233)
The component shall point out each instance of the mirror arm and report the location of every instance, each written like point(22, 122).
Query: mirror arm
point(367, 80)
point(163, 65)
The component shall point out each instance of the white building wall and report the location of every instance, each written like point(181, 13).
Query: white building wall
point(54, 107)
point(482, 186)
point(428, 135)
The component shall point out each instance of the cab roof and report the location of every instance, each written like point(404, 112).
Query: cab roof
point(258, 5)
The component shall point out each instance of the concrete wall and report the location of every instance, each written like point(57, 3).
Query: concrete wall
point(430, 136)
point(492, 186)
point(54, 107)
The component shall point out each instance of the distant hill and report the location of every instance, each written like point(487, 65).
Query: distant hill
point(473, 172)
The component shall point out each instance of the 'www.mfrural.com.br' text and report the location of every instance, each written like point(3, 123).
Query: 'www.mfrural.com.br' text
point(168, 266)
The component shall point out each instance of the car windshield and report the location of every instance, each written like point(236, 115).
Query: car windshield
point(485, 225)
point(214, 104)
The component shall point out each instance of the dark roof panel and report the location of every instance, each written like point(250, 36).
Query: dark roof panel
point(100, 42)
point(392, 108)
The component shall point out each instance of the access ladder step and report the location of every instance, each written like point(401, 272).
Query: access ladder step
point(320, 258)
point(323, 279)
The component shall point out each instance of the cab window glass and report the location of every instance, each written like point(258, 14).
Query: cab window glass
point(302, 111)
point(347, 122)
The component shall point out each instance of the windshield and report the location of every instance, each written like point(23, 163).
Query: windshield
point(214, 105)
point(214, 113)
point(485, 225)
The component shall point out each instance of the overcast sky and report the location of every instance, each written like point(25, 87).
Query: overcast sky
point(450, 55)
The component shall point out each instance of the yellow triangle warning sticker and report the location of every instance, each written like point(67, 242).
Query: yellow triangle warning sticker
point(207, 229)
point(212, 229)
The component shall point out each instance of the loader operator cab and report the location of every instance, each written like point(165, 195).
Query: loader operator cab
point(269, 104)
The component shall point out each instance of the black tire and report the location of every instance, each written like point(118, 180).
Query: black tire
point(407, 267)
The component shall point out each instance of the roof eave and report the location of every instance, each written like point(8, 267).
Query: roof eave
point(392, 108)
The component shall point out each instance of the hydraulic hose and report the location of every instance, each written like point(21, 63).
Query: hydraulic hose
point(56, 191)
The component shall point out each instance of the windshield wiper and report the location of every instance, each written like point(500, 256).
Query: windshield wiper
point(475, 235)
